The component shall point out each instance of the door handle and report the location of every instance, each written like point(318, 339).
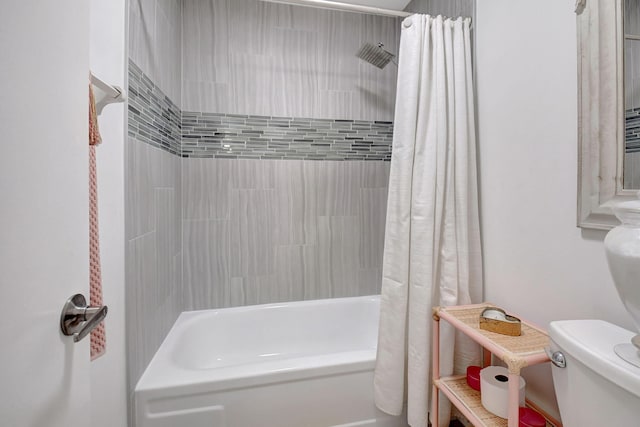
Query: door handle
point(78, 318)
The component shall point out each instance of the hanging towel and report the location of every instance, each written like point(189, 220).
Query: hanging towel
point(98, 337)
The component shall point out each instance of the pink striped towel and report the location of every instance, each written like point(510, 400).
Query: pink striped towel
point(98, 336)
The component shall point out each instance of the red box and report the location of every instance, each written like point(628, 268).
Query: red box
point(473, 377)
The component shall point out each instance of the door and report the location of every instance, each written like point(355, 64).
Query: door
point(44, 66)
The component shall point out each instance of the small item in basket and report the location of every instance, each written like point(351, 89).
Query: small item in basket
point(473, 377)
point(530, 418)
point(495, 319)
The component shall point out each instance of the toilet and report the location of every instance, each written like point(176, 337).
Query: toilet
point(595, 387)
point(596, 365)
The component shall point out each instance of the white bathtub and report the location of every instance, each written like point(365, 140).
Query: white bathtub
point(300, 364)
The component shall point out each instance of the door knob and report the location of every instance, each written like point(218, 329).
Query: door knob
point(78, 318)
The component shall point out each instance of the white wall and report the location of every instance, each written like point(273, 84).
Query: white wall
point(107, 60)
point(44, 256)
point(537, 263)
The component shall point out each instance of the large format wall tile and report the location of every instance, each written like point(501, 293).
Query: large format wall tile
point(248, 174)
point(153, 179)
point(141, 276)
point(632, 169)
point(206, 189)
point(206, 250)
point(139, 195)
point(262, 58)
point(450, 8)
point(155, 42)
point(252, 221)
point(153, 252)
point(373, 213)
point(154, 297)
point(290, 230)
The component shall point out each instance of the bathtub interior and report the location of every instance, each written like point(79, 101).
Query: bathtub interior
point(220, 338)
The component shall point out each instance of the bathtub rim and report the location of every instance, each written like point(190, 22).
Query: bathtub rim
point(164, 377)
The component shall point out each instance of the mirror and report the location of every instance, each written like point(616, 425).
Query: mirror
point(601, 110)
point(631, 13)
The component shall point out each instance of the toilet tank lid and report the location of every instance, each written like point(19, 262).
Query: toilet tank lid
point(591, 342)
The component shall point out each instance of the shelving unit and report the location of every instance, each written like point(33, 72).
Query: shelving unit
point(516, 352)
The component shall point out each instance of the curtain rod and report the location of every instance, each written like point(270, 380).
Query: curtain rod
point(327, 4)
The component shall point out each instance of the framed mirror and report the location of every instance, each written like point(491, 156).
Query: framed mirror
point(605, 175)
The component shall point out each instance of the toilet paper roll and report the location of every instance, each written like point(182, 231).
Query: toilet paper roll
point(494, 386)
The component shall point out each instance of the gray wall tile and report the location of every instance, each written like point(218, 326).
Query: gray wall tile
point(153, 181)
point(154, 250)
point(140, 274)
point(206, 187)
point(449, 8)
point(338, 243)
point(139, 196)
point(289, 273)
point(261, 58)
point(155, 42)
point(632, 170)
point(206, 264)
point(252, 220)
point(317, 277)
point(373, 213)
point(249, 174)
point(369, 281)
point(257, 289)
point(142, 32)
point(168, 244)
point(306, 230)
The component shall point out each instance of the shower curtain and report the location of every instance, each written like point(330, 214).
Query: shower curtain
point(432, 250)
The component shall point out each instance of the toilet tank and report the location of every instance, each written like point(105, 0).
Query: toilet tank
point(596, 388)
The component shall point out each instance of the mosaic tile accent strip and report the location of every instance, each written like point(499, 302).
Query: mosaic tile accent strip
point(632, 130)
point(153, 117)
point(265, 137)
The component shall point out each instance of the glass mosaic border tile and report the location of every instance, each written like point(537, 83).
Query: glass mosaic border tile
point(157, 120)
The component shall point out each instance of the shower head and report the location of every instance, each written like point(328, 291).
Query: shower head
point(375, 55)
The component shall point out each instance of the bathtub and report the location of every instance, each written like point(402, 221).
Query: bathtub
point(299, 364)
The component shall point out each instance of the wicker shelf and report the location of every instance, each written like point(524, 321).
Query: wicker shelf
point(517, 352)
point(459, 393)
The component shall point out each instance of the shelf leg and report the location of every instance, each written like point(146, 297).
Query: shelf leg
point(514, 400)
point(486, 357)
point(435, 366)
point(435, 402)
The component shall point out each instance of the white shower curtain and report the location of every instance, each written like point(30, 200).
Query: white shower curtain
point(432, 241)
